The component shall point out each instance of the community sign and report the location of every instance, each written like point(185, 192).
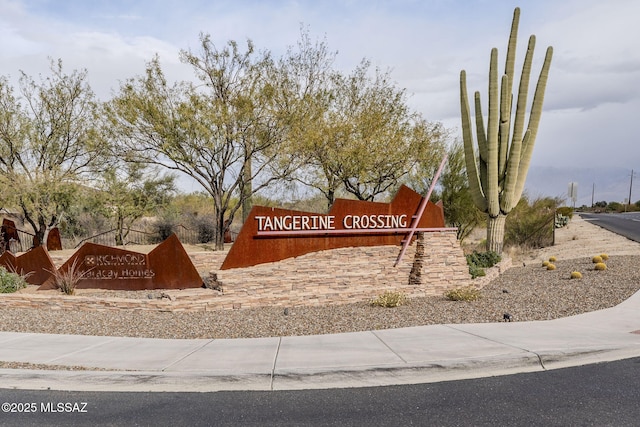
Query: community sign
point(272, 234)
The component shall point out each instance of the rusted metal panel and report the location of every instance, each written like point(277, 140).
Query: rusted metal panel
point(36, 265)
point(54, 241)
point(9, 232)
point(167, 266)
point(172, 266)
point(256, 246)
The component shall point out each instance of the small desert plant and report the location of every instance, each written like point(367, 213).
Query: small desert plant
point(478, 261)
point(476, 271)
point(11, 282)
point(604, 257)
point(596, 259)
point(576, 275)
point(601, 266)
point(206, 228)
point(545, 263)
point(389, 299)
point(551, 266)
point(484, 259)
point(466, 293)
point(552, 259)
point(565, 210)
point(67, 280)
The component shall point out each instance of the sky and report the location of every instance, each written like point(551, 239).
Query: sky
point(592, 103)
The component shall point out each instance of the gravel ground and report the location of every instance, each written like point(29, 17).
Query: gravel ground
point(527, 293)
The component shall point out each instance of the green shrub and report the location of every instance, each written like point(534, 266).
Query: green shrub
point(551, 267)
point(596, 259)
point(576, 275)
point(553, 259)
point(466, 293)
point(206, 228)
point(389, 299)
point(478, 261)
point(565, 211)
point(484, 259)
point(11, 282)
point(476, 271)
point(165, 225)
point(530, 223)
point(615, 207)
point(604, 257)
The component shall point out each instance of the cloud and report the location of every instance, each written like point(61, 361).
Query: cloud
point(593, 184)
point(592, 97)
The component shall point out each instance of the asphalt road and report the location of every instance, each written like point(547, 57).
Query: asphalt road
point(591, 395)
point(625, 224)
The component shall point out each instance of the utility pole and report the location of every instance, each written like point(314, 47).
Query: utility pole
point(573, 193)
point(593, 191)
point(630, 186)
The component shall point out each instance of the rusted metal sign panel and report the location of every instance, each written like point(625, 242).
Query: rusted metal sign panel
point(167, 266)
point(272, 234)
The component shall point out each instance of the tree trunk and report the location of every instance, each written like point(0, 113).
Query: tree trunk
point(495, 233)
point(247, 191)
point(39, 239)
point(119, 228)
point(221, 226)
point(331, 197)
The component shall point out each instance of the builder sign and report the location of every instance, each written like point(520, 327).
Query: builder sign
point(272, 234)
point(166, 266)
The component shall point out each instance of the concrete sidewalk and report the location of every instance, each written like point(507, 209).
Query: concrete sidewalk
point(386, 357)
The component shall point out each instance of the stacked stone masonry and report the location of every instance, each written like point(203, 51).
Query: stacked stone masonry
point(338, 276)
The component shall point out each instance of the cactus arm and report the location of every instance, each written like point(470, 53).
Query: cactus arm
point(480, 131)
point(493, 122)
point(534, 121)
point(506, 100)
point(521, 106)
point(469, 153)
point(508, 201)
point(505, 124)
point(482, 141)
point(511, 48)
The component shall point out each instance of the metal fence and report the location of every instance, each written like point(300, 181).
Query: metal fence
point(108, 238)
point(138, 237)
point(23, 243)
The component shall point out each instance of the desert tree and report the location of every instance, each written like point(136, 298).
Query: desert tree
point(386, 138)
point(361, 137)
point(126, 191)
point(49, 144)
point(302, 81)
point(457, 202)
point(222, 133)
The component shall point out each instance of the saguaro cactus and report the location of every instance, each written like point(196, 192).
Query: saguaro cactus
point(498, 172)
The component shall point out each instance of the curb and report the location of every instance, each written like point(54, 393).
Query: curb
point(446, 370)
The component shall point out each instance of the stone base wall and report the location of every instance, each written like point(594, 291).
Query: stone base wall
point(493, 272)
point(349, 275)
point(432, 265)
point(439, 263)
point(329, 277)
